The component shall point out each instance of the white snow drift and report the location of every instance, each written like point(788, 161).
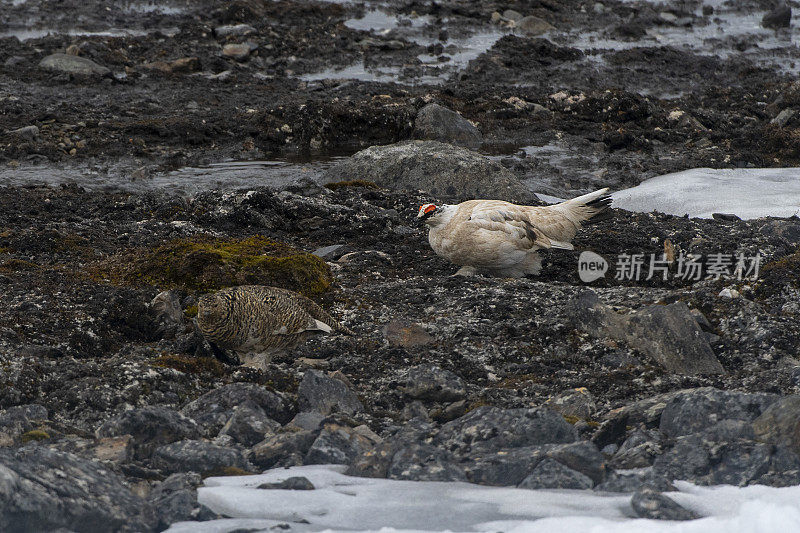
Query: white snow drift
point(746, 192)
point(343, 503)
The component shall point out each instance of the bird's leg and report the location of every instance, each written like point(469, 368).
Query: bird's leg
point(466, 271)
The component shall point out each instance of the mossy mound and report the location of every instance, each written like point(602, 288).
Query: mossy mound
point(776, 275)
point(204, 263)
point(34, 435)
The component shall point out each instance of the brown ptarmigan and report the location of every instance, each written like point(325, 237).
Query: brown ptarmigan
point(257, 321)
point(500, 238)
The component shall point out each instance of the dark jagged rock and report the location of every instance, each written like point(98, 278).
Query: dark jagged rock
point(437, 123)
point(780, 423)
point(695, 410)
point(429, 382)
point(286, 448)
point(214, 409)
point(550, 474)
point(780, 17)
point(292, 483)
point(326, 395)
point(175, 500)
point(150, 427)
point(249, 425)
point(197, 456)
point(667, 333)
point(42, 490)
point(648, 503)
point(338, 445)
point(490, 428)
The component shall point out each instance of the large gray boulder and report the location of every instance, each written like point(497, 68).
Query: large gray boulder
point(445, 171)
point(780, 423)
point(326, 395)
point(74, 65)
point(667, 333)
point(149, 427)
point(437, 123)
point(43, 490)
point(695, 410)
point(215, 408)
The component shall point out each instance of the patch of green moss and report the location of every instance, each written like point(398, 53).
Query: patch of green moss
point(191, 365)
point(17, 265)
point(776, 275)
point(352, 183)
point(34, 434)
point(204, 263)
point(226, 471)
point(191, 311)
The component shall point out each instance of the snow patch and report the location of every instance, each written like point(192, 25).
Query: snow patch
point(343, 503)
point(747, 193)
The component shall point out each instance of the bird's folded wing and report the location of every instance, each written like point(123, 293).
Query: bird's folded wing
point(517, 227)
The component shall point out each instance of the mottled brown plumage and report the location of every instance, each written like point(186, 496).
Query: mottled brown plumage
point(502, 238)
point(257, 321)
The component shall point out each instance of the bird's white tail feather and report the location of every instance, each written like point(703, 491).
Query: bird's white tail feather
point(586, 198)
point(584, 207)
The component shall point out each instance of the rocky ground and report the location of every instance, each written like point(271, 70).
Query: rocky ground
point(114, 408)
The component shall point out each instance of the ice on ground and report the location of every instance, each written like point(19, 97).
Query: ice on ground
point(748, 193)
point(343, 503)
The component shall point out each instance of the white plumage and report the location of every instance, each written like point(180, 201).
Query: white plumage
point(502, 238)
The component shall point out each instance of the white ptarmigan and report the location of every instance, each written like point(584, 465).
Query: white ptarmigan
point(501, 238)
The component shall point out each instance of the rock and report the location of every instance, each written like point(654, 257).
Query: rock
point(175, 500)
point(638, 451)
point(491, 428)
point(74, 65)
point(429, 382)
point(42, 490)
point(550, 474)
point(197, 456)
point(631, 481)
point(213, 409)
point(648, 503)
point(578, 403)
point(149, 427)
point(423, 462)
point(308, 420)
point(29, 133)
point(510, 14)
point(338, 445)
point(239, 51)
point(406, 334)
point(249, 425)
point(445, 171)
point(326, 395)
point(533, 26)
point(502, 468)
point(291, 483)
point(667, 333)
point(437, 123)
point(286, 446)
point(693, 410)
point(332, 252)
point(780, 17)
point(233, 29)
point(780, 423)
point(783, 117)
point(581, 456)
